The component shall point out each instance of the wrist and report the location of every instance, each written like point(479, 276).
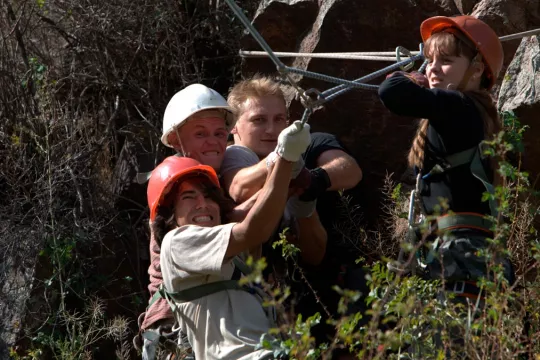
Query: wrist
point(320, 182)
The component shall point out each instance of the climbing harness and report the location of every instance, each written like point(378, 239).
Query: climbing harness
point(197, 292)
point(472, 156)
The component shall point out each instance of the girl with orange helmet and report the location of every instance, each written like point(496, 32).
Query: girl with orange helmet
point(464, 57)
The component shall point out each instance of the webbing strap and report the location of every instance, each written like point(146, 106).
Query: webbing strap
point(464, 220)
point(461, 158)
point(242, 266)
point(199, 291)
point(477, 169)
point(472, 156)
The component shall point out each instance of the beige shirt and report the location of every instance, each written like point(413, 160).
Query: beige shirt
point(224, 325)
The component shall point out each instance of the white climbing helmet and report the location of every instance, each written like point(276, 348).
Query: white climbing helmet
point(189, 101)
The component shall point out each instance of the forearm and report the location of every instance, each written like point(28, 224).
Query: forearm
point(239, 212)
point(263, 218)
point(344, 173)
point(312, 238)
point(246, 182)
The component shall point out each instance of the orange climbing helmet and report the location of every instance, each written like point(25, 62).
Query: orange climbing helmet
point(166, 174)
point(486, 40)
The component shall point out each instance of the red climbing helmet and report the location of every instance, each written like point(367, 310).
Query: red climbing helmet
point(485, 39)
point(166, 174)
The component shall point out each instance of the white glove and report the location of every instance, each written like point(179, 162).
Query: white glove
point(300, 209)
point(293, 141)
point(297, 165)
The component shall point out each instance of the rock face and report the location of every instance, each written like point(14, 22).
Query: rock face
point(520, 92)
point(378, 139)
point(17, 268)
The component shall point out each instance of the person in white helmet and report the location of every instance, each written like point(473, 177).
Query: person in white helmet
point(196, 123)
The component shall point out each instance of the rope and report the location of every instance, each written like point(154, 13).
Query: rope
point(240, 14)
point(330, 79)
point(368, 55)
point(345, 56)
point(341, 89)
point(520, 35)
point(249, 53)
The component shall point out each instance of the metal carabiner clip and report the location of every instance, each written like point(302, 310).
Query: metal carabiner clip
point(400, 50)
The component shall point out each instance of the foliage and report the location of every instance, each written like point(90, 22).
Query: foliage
point(84, 87)
point(409, 317)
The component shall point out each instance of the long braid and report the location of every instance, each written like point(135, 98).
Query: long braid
point(416, 153)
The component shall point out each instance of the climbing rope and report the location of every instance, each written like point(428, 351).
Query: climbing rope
point(520, 35)
point(375, 56)
point(367, 55)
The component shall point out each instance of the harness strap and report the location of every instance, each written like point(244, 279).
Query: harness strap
point(464, 220)
point(477, 169)
point(199, 291)
point(242, 266)
point(461, 158)
point(472, 156)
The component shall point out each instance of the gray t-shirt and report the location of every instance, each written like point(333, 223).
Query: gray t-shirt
point(238, 157)
point(225, 325)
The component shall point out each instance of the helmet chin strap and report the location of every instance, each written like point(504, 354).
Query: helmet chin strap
point(182, 150)
point(470, 71)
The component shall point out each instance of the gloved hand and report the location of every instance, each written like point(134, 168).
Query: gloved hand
point(293, 141)
point(299, 208)
point(414, 76)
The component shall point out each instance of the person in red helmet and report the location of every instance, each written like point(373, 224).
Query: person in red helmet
point(199, 251)
point(196, 124)
point(464, 58)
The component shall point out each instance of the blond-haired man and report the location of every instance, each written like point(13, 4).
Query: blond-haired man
point(261, 113)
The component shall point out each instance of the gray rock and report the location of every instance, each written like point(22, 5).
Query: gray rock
point(17, 268)
point(465, 6)
point(520, 92)
point(521, 84)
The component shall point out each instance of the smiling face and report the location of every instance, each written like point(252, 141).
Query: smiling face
point(449, 58)
point(203, 138)
point(446, 72)
point(259, 124)
point(193, 206)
